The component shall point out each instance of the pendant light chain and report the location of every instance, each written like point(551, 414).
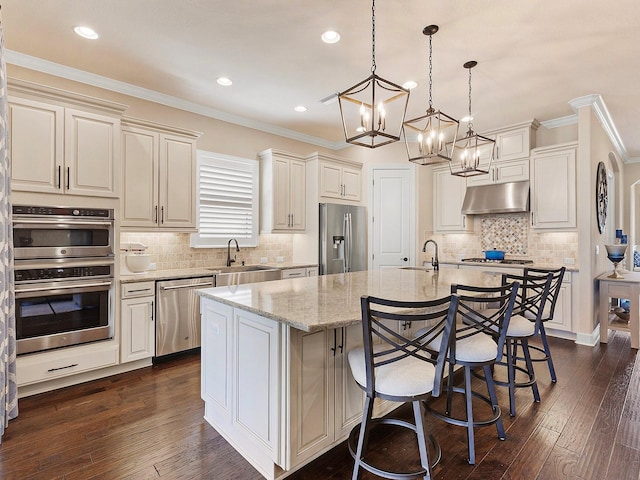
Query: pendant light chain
point(430, 75)
point(373, 36)
point(470, 123)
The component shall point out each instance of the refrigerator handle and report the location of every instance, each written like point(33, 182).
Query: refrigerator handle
point(347, 242)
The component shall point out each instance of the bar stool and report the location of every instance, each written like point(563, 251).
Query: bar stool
point(478, 343)
point(547, 314)
point(399, 369)
point(534, 291)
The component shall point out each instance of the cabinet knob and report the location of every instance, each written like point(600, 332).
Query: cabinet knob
point(404, 259)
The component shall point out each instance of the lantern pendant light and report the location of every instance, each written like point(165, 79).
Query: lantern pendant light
point(473, 153)
point(430, 139)
point(373, 110)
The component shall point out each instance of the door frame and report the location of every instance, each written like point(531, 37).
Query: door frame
point(411, 168)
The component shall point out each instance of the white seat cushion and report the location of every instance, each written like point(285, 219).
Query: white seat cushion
point(546, 312)
point(405, 378)
point(520, 327)
point(477, 348)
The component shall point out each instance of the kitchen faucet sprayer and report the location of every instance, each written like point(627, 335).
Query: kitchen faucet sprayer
point(434, 260)
point(229, 259)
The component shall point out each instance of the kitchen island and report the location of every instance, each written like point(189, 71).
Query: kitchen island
point(275, 377)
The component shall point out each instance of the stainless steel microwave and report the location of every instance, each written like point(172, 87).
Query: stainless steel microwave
point(61, 232)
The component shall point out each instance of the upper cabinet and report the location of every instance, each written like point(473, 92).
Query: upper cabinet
point(511, 162)
point(63, 143)
point(553, 187)
point(282, 192)
point(449, 193)
point(158, 176)
point(338, 178)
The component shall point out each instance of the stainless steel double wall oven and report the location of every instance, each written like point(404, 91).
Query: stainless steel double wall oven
point(64, 273)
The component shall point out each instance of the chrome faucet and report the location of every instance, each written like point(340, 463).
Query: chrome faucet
point(229, 259)
point(434, 260)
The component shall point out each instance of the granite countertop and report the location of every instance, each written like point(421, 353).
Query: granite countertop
point(153, 275)
point(332, 301)
point(569, 268)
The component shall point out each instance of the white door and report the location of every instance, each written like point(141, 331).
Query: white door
point(393, 212)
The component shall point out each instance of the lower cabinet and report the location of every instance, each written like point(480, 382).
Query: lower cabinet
point(326, 403)
point(300, 272)
point(41, 367)
point(137, 321)
point(562, 314)
point(280, 395)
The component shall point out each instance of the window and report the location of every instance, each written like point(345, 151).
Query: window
point(227, 201)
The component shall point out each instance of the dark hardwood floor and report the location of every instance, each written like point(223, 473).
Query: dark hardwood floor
point(148, 424)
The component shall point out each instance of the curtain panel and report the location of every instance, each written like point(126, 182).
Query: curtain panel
point(8, 385)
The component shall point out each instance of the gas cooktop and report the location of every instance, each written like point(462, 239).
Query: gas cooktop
point(508, 261)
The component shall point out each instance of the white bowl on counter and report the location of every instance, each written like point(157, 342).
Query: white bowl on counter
point(138, 262)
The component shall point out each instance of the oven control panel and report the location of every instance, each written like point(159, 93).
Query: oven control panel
point(54, 273)
point(31, 210)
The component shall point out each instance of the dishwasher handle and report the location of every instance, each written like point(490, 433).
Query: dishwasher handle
point(191, 285)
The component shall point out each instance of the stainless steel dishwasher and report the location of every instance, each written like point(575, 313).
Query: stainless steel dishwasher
point(178, 314)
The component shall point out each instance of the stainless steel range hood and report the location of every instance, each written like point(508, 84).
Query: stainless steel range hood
point(497, 198)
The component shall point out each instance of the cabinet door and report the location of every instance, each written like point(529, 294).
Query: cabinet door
point(312, 271)
point(514, 144)
point(553, 189)
point(36, 142)
point(138, 329)
point(330, 180)
point(216, 374)
point(177, 191)
point(449, 193)
point(562, 314)
point(512, 171)
point(92, 154)
point(281, 185)
point(257, 381)
point(312, 393)
point(352, 183)
point(349, 397)
point(139, 178)
point(297, 195)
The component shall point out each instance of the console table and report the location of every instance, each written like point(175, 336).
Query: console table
point(628, 288)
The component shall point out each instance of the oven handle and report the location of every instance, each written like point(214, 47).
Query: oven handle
point(61, 223)
point(64, 287)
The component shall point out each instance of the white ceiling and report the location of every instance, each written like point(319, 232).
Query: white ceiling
point(533, 56)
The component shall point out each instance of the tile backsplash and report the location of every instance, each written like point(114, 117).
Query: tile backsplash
point(172, 250)
point(511, 233)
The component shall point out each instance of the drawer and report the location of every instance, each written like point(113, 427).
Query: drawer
point(45, 366)
point(615, 290)
point(294, 273)
point(138, 289)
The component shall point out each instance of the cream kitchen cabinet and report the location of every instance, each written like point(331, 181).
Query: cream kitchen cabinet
point(62, 150)
point(449, 193)
point(282, 192)
point(553, 187)
point(300, 272)
point(137, 321)
point(340, 180)
point(511, 162)
point(327, 402)
point(159, 177)
point(563, 311)
point(281, 395)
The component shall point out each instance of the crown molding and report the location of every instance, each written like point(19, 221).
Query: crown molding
point(560, 121)
point(596, 102)
point(74, 74)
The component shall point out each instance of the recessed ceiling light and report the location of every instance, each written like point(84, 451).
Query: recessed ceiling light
point(86, 32)
point(224, 81)
point(300, 108)
point(330, 36)
point(410, 85)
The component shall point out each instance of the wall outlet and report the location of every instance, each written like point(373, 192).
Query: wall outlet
point(569, 261)
point(152, 266)
point(279, 259)
point(263, 259)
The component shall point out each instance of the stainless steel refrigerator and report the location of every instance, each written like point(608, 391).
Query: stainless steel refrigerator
point(343, 238)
